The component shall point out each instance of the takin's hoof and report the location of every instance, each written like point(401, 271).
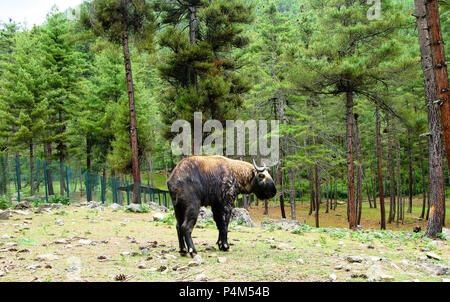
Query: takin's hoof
point(192, 252)
point(183, 253)
point(224, 247)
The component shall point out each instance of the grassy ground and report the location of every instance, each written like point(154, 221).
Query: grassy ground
point(370, 218)
point(256, 254)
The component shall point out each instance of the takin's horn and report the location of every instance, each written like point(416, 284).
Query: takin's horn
point(259, 169)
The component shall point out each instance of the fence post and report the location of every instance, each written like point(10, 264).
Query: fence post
point(67, 182)
point(17, 179)
point(102, 186)
point(128, 192)
point(45, 181)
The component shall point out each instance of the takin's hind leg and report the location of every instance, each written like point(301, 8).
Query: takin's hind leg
point(190, 219)
point(222, 219)
point(179, 214)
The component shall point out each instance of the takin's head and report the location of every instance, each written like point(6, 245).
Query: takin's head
point(262, 184)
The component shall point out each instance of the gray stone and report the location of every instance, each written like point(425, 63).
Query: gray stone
point(204, 214)
point(446, 232)
point(287, 225)
point(353, 259)
point(115, 207)
point(157, 207)
point(433, 256)
point(437, 269)
point(4, 215)
point(135, 208)
point(242, 215)
point(158, 216)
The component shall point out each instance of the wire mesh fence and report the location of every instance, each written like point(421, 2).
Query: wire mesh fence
point(22, 179)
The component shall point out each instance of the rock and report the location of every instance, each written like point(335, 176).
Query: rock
point(145, 251)
point(437, 269)
point(446, 232)
point(142, 266)
point(135, 208)
point(201, 278)
point(5, 236)
point(204, 214)
point(157, 207)
point(61, 241)
point(93, 205)
point(333, 277)
point(445, 280)
point(158, 216)
point(59, 222)
point(300, 261)
point(287, 225)
point(23, 205)
point(4, 215)
point(85, 241)
point(241, 215)
point(284, 246)
point(222, 259)
point(34, 267)
point(348, 268)
point(424, 249)
point(47, 257)
point(125, 254)
point(339, 267)
point(353, 259)
point(375, 273)
point(2, 273)
point(72, 269)
point(115, 207)
point(198, 258)
point(433, 256)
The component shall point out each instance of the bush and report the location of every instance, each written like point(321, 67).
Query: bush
point(4, 203)
point(59, 199)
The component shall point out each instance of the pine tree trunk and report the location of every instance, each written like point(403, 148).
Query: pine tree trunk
point(441, 75)
point(88, 169)
point(31, 169)
point(424, 191)
point(350, 164)
point(328, 195)
point(380, 178)
point(281, 182)
point(291, 175)
point(61, 150)
point(436, 169)
point(132, 109)
point(399, 185)
point(316, 176)
point(410, 173)
point(48, 152)
point(359, 196)
point(391, 166)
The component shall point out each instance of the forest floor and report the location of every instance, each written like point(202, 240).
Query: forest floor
point(83, 244)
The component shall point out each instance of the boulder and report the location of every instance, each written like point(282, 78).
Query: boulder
point(446, 233)
point(242, 215)
point(93, 205)
point(115, 207)
point(285, 224)
point(354, 259)
point(157, 207)
point(158, 216)
point(4, 215)
point(135, 208)
point(204, 214)
point(376, 273)
point(437, 269)
point(23, 205)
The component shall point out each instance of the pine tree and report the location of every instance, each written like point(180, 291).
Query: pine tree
point(120, 20)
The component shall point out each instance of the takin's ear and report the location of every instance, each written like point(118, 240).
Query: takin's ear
point(254, 173)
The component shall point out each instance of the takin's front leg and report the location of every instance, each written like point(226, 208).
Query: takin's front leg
point(222, 218)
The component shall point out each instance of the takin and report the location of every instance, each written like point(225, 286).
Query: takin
point(213, 181)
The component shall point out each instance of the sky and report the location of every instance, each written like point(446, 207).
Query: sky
point(31, 11)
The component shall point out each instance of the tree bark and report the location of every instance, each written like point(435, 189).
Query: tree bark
point(88, 169)
point(436, 169)
point(391, 166)
point(350, 164)
point(292, 191)
point(440, 70)
point(31, 169)
point(399, 185)
point(358, 173)
point(424, 191)
point(48, 151)
point(380, 177)
point(410, 172)
point(132, 109)
point(316, 176)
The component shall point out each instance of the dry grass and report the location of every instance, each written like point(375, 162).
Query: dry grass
point(370, 219)
point(251, 258)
